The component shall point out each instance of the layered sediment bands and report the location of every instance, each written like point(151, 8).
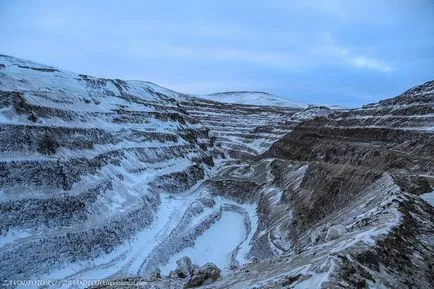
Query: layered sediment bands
point(109, 179)
point(82, 163)
point(396, 147)
point(242, 131)
point(336, 198)
point(362, 172)
point(342, 193)
point(105, 177)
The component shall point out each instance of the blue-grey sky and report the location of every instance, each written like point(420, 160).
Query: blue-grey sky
point(324, 51)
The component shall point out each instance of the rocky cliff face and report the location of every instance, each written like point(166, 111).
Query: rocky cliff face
point(110, 179)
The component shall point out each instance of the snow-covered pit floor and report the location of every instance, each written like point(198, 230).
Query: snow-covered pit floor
point(429, 197)
point(215, 245)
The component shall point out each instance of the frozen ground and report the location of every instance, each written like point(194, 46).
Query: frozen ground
point(226, 239)
point(215, 245)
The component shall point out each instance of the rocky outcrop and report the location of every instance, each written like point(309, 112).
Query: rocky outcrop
point(203, 276)
point(184, 267)
point(335, 232)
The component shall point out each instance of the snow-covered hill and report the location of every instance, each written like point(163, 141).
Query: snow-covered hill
point(253, 98)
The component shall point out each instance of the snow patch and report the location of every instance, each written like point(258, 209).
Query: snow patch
point(215, 245)
point(12, 236)
point(428, 197)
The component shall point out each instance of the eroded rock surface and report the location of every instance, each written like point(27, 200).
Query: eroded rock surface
point(203, 276)
point(184, 267)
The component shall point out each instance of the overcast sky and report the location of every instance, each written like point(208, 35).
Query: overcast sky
point(340, 52)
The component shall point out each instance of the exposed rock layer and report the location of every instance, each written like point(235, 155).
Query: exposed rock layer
point(113, 178)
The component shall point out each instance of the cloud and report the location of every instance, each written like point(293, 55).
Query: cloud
point(364, 62)
point(290, 59)
point(372, 12)
point(271, 58)
point(347, 57)
point(53, 21)
point(223, 53)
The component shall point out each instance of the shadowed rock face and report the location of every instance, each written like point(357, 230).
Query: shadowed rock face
point(345, 155)
point(345, 158)
point(103, 178)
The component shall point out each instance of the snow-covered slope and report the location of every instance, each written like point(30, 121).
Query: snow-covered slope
point(86, 165)
point(253, 98)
